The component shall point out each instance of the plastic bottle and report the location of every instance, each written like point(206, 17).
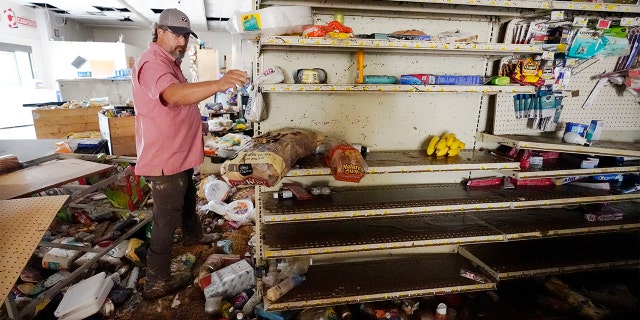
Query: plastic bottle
point(293, 266)
point(360, 64)
point(572, 137)
point(251, 304)
point(318, 313)
point(283, 194)
point(212, 305)
point(213, 263)
point(241, 298)
point(441, 312)
point(276, 292)
point(343, 312)
point(133, 278)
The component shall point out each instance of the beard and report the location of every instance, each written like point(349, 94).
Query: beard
point(178, 52)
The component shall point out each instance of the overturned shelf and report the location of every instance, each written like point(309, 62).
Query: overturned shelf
point(393, 88)
point(353, 44)
point(46, 175)
point(381, 279)
point(406, 161)
point(555, 255)
point(329, 237)
point(607, 148)
point(405, 200)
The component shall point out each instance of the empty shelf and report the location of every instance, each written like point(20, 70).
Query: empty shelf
point(555, 255)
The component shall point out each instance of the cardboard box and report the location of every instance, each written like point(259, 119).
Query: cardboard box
point(230, 280)
point(119, 133)
point(58, 123)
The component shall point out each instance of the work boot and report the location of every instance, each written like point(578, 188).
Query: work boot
point(208, 238)
point(165, 287)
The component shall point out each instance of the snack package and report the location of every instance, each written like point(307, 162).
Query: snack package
point(345, 161)
point(270, 157)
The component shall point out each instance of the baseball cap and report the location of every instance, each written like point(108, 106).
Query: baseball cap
point(176, 21)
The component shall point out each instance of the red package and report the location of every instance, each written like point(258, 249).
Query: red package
point(314, 31)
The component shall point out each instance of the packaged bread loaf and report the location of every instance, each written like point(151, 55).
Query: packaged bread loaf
point(270, 157)
point(345, 161)
point(9, 163)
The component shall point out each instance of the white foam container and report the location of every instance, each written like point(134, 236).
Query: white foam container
point(84, 298)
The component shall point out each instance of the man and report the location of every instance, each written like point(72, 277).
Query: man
point(169, 142)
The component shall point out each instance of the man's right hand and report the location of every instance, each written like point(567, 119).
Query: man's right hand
point(234, 79)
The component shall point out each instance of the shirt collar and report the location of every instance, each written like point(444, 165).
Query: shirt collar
point(156, 47)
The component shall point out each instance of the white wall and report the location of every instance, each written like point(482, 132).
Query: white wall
point(220, 41)
point(64, 53)
point(25, 35)
point(28, 34)
point(62, 29)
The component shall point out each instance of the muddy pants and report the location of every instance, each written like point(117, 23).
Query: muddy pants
point(174, 205)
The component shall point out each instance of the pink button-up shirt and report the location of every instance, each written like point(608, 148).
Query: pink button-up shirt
point(168, 137)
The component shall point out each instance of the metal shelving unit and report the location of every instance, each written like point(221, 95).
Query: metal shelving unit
point(555, 255)
point(606, 148)
point(409, 161)
point(343, 236)
point(394, 88)
point(406, 200)
point(517, 4)
point(390, 220)
point(423, 47)
point(600, 7)
point(555, 171)
point(381, 279)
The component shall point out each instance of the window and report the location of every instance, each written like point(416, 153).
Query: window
point(16, 62)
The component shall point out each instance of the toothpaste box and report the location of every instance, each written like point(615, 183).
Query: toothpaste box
point(416, 78)
point(455, 80)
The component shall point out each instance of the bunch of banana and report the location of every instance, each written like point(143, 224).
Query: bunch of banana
point(447, 145)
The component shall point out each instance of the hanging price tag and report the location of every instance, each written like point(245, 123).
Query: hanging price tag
point(627, 22)
point(557, 15)
point(547, 55)
point(580, 22)
point(603, 24)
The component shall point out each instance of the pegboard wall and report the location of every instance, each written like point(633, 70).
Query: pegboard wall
point(23, 222)
point(620, 111)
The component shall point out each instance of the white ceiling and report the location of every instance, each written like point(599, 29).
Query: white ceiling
point(204, 14)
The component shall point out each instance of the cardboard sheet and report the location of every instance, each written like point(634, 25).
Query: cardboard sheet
point(46, 175)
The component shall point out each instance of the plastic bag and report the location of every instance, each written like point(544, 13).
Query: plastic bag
point(255, 110)
point(255, 107)
point(614, 47)
point(586, 44)
point(270, 157)
point(212, 188)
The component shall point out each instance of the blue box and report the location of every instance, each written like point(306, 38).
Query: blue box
point(455, 80)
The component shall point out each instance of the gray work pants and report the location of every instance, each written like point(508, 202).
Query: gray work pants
point(174, 205)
